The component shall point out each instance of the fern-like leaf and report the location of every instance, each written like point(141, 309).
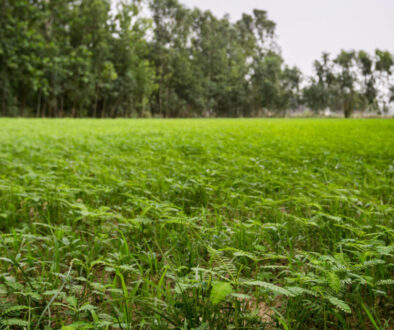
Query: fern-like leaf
point(334, 282)
point(270, 287)
point(15, 309)
point(386, 282)
point(297, 291)
point(369, 263)
point(340, 304)
point(14, 322)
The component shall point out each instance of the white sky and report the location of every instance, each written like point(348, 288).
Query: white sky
point(306, 28)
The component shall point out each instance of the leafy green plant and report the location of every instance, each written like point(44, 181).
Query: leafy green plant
point(196, 224)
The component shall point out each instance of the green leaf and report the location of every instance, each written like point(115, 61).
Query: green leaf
point(369, 263)
point(15, 308)
point(269, 286)
point(370, 317)
point(78, 325)
point(16, 322)
point(297, 291)
point(334, 281)
point(340, 304)
point(72, 301)
point(220, 290)
point(87, 307)
point(386, 282)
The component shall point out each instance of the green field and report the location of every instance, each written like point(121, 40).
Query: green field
point(186, 224)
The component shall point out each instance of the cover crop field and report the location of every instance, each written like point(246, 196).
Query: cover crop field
point(187, 224)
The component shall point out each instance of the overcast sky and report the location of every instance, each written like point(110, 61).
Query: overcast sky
point(306, 28)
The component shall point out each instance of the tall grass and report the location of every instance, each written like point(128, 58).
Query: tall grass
point(196, 224)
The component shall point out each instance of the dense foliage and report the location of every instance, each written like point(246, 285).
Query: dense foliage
point(203, 224)
point(94, 58)
point(352, 80)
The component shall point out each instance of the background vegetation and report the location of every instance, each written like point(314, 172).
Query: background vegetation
point(92, 58)
point(203, 224)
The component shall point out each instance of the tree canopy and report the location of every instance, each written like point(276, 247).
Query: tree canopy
point(143, 58)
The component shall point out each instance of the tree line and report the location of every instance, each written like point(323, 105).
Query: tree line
point(158, 58)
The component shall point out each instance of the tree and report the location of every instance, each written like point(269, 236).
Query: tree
point(291, 85)
point(130, 91)
point(346, 80)
point(384, 69)
point(21, 55)
point(368, 83)
point(323, 91)
point(158, 58)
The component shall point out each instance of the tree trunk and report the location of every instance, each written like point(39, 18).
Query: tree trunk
point(22, 109)
point(113, 112)
point(348, 108)
point(23, 104)
point(103, 108)
point(38, 104)
point(73, 110)
point(43, 110)
point(160, 99)
point(95, 104)
point(50, 108)
point(61, 113)
point(3, 104)
point(56, 108)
